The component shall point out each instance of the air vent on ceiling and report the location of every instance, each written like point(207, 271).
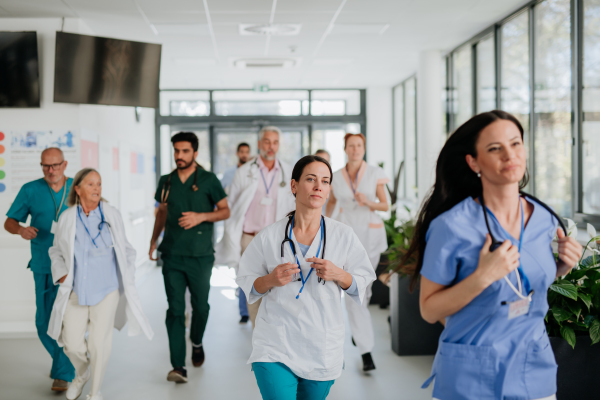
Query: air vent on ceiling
point(269, 29)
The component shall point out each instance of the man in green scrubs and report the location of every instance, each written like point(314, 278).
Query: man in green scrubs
point(191, 201)
point(44, 199)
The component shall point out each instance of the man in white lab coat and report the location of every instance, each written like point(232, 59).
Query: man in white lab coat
point(258, 196)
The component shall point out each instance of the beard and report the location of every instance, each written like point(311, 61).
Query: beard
point(185, 165)
point(266, 155)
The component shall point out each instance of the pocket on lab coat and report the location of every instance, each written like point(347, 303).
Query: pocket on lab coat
point(268, 337)
point(540, 368)
point(465, 372)
point(334, 346)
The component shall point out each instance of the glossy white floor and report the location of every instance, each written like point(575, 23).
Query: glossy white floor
point(138, 368)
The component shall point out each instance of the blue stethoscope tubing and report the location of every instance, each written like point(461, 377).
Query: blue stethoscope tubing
point(496, 243)
point(100, 225)
point(288, 234)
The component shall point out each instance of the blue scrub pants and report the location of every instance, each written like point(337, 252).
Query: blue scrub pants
point(45, 294)
point(278, 382)
point(243, 305)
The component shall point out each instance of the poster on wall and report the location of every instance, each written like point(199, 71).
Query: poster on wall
point(26, 146)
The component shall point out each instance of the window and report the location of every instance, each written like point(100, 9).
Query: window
point(552, 101)
point(330, 138)
point(590, 140)
point(410, 139)
point(462, 85)
point(335, 102)
point(247, 102)
point(486, 74)
point(398, 94)
point(185, 103)
point(514, 66)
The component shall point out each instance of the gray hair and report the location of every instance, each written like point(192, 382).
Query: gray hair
point(73, 198)
point(266, 129)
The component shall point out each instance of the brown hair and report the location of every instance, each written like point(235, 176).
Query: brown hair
point(349, 135)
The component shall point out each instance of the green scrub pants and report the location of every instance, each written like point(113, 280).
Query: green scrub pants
point(180, 272)
point(45, 294)
point(277, 382)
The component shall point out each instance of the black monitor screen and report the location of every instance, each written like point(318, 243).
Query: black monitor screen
point(19, 77)
point(96, 70)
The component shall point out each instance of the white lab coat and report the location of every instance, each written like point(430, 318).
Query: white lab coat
point(241, 192)
point(62, 256)
point(305, 334)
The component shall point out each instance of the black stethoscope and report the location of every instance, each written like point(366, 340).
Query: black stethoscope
point(496, 243)
point(167, 186)
point(288, 234)
point(255, 162)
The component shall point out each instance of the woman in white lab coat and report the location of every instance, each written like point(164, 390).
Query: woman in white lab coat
point(359, 191)
point(94, 264)
point(298, 341)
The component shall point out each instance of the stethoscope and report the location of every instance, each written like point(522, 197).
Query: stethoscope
point(496, 243)
point(255, 163)
point(167, 186)
point(100, 225)
point(288, 235)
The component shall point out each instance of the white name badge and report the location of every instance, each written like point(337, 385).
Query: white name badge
point(266, 201)
point(53, 227)
point(518, 308)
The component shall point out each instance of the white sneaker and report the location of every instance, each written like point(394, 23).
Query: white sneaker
point(77, 385)
point(97, 396)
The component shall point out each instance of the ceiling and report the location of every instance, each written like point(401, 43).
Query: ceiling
point(340, 43)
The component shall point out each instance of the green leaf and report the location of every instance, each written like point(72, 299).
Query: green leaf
point(595, 331)
point(593, 276)
point(568, 334)
point(575, 309)
point(586, 298)
point(589, 261)
point(561, 314)
point(576, 274)
point(589, 319)
point(565, 288)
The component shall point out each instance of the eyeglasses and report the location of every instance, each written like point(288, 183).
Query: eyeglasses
point(53, 166)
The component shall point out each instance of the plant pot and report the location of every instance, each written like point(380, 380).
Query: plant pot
point(578, 368)
point(380, 291)
point(411, 334)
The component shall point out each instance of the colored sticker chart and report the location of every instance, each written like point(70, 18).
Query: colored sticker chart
point(2, 162)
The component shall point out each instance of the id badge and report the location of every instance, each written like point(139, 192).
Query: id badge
point(53, 227)
point(518, 308)
point(266, 201)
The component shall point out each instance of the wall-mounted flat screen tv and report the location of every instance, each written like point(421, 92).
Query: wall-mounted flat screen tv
point(98, 70)
point(19, 75)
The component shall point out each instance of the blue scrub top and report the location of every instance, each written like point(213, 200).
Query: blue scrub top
point(482, 354)
point(35, 199)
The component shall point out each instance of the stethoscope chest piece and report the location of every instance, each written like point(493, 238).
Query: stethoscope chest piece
point(282, 184)
point(194, 188)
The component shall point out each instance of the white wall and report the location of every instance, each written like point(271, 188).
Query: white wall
point(110, 127)
point(379, 127)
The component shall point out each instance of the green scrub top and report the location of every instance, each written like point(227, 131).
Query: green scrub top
point(35, 199)
point(197, 241)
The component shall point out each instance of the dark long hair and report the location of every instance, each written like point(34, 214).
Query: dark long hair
point(302, 163)
point(454, 181)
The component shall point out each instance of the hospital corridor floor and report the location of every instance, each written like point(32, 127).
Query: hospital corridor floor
point(138, 368)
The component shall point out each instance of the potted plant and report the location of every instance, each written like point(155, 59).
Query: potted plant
point(411, 334)
point(573, 323)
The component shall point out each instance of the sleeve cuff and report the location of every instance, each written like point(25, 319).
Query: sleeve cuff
point(353, 289)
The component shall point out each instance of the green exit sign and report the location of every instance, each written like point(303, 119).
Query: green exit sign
point(261, 87)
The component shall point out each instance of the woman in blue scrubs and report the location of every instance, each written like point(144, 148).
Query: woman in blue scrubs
point(494, 345)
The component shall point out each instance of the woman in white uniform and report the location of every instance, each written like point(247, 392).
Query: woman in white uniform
point(299, 267)
point(359, 190)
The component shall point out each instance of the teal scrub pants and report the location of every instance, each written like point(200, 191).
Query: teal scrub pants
point(278, 382)
point(45, 294)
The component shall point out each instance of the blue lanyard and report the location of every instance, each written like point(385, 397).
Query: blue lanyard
point(298, 262)
point(524, 278)
point(101, 224)
point(355, 179)
point(265, 182)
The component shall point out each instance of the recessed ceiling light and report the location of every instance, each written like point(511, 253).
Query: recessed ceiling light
point(269, 29)
point(246, 63)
